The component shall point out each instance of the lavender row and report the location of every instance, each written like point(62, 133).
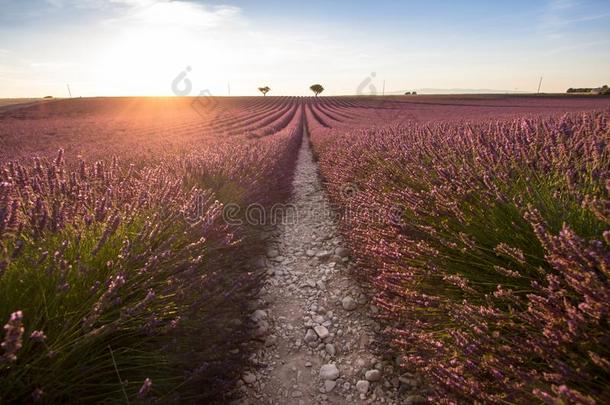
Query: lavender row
point(488, 247)
point(122, 281)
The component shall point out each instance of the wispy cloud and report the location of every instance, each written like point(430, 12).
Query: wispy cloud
point(560, 14)
point(555, 16)
point(183, 13)
point(158, 12)
point(586, 18)
point(49, 65)
point(123, 47)
point(579, 46)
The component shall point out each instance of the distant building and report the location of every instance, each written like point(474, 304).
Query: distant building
point(603, 90)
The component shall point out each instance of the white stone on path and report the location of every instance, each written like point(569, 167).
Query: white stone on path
point(310, 336)
point(321, 331)
point(258, 315)
point(363, 386)
point(348, 303)
point(329, 372)
point(329, 385)
point(373, 375)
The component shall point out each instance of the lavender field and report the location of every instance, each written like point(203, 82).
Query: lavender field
point(467, 237)
point(486, 242)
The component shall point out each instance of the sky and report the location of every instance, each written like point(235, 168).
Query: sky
point(164, 48)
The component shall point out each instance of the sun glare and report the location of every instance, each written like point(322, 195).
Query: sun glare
point(158, 41)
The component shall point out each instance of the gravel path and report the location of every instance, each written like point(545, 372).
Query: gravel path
point(314, 320)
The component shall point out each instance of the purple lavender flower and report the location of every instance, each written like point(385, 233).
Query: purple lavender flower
point(13, 336)
point(37, 395)
point(145, 389)
point(38, 336)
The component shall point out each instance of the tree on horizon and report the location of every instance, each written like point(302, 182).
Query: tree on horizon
point(316, 88)
point(264, 90)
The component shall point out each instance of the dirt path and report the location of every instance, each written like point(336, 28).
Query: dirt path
point(314, 318)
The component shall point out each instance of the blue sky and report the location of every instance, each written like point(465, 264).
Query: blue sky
point(138, 47)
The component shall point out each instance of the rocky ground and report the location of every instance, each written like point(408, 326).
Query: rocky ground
point(315, 324)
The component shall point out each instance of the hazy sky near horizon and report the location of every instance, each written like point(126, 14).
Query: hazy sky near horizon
point(138, 47)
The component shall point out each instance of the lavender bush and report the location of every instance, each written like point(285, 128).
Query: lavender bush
point(489, 248)
point(122, 282)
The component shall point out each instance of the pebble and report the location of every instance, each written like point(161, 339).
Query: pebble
point(329, 372)
point(408, 380)
point(270, 340)
point(329, 385)
point(259, 315)
point(262, 327)
point(363, 386)
point(324, 254)
point(415, 400)
point(309, 283)
point(249, 378)
point(342, 252)
point(360, 362)
point(310, 336)
point(321, 331)
point(348, 303)
point(272, 253)
point(373, 375)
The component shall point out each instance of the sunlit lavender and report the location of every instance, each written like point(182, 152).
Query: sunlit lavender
point(495, 282)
